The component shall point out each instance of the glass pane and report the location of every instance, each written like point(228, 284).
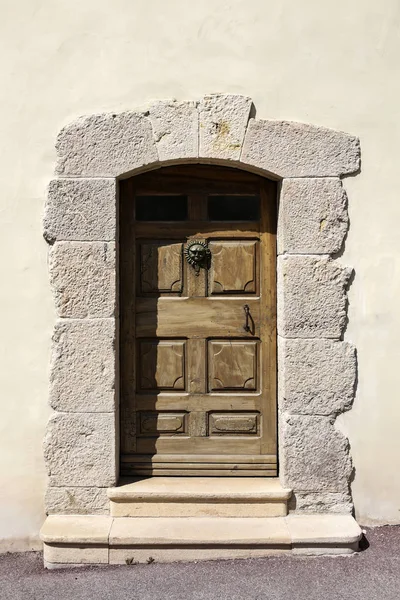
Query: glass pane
point(234, 208)
point(161, 208)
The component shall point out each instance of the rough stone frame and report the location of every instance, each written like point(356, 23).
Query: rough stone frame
point(316, 369)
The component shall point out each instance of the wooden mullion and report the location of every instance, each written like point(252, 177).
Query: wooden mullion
point(203, 229)
point(205, 402)
point(197, 213)
point(197, 207)
point(196, 366)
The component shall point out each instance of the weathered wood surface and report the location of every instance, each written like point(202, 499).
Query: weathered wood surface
point(198, 389)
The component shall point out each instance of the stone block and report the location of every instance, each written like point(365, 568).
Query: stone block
point(199, 531)
point(80, 210)
point(76, 530)
point(176, 129)
point(314, 456)
point(198, 489)
point(312, 216)
point(65, 555)
point(105, 145)
point(316, 377)
point(316, 502)
point(223, 122)
point(323, 530)
point(82, 276)
point(325, 548)
point(79, 449)
point(77, 501)
point(194, 497)
point(289, 149)
point(312, 298)
point(83, 366)
point(201, 509)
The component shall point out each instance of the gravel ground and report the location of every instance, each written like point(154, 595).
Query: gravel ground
point(372, 574)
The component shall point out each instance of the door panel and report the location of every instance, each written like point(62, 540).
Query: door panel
point(156, 423)
point(233, 365)
point(161, 267)
point(198, 347)
point(233, 267)
point(161, 365)
point(233, 423)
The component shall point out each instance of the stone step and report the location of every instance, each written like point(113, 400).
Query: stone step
point(76, 540)
point(200, 497)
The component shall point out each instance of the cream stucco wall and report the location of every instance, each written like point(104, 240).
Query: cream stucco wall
point(332, 63)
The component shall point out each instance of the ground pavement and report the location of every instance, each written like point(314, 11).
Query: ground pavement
point(372, 574)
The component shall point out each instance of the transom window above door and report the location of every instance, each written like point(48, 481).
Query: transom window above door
point(220, 207)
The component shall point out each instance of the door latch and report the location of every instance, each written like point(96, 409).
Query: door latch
point(246, 325)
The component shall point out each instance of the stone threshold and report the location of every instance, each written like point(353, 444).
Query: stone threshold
point(199, 497)
point(76, 540)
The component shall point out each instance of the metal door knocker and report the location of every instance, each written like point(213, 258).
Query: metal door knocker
point(198, 255)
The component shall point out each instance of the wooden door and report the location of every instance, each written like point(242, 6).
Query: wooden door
point(198, 345)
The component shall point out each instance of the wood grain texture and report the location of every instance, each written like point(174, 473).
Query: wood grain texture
point(200, 458)
point(161, 365)
point(206, 402)
point(268, 323)
point(161, 267)
point(197, 179)
point(231, 444)
point(233, 365)
point(233, 267)
point(233, 423)
point(196, 366)
point(156, 423)
point(223, 471)
point(195, 317)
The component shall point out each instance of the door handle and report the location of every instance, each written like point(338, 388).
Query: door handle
point(246, 325)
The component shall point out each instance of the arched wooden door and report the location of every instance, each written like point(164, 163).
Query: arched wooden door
point(198, 323)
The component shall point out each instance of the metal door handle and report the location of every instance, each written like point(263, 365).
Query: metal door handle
point(246, 326)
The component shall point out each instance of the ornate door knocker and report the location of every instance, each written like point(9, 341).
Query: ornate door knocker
point(198, 255)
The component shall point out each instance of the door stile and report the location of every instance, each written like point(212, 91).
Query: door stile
point(268, 324)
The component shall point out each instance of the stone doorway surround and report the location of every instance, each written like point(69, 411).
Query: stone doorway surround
point(316, 368)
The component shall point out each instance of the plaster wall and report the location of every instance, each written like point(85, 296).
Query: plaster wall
point(332, 64)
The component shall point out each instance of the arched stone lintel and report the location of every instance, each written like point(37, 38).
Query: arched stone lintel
point(218, 128)
point(80, 223)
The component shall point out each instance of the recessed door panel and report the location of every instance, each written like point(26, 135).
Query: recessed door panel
point(154, 423)
point(233, 423)
point(232, 365)
point(161, 365)
point(160, 267)
point(233, 267)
